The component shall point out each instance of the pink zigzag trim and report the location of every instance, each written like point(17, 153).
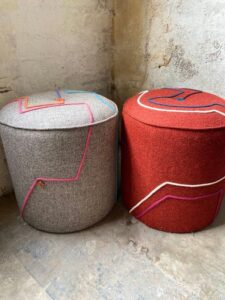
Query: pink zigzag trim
point(220, 194)
point(36, 107)
point(70, 179)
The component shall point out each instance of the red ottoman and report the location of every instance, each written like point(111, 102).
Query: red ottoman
point(173, 158)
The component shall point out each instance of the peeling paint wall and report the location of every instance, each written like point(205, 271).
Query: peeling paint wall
point(169, 43)
point(53, 43)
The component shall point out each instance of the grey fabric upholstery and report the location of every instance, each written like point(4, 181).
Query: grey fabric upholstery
point(58, 117)
point(40, 150)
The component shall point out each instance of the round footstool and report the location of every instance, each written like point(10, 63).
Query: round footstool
point(61, 152)
point(173, 158)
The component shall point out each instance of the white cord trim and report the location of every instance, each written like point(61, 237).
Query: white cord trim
point(168, 182)
point(174, 110)
point(174, 184)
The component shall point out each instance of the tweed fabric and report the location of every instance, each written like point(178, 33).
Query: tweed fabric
point(148, 107)
point(64, 206)
point(61, 116)
point(152, 155)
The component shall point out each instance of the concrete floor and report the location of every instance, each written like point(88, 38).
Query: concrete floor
point(119, 258)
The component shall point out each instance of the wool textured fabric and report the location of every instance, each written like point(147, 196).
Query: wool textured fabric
point(65, 114)
point(62, 163)
point(173, 149)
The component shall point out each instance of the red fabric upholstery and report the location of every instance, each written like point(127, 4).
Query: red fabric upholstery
point(176, 147)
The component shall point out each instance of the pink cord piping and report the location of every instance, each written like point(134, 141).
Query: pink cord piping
point(77, 176)
point(220, 193)
point(37, 107)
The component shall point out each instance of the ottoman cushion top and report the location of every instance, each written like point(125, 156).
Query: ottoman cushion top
point(60, 109)
point(177, 108)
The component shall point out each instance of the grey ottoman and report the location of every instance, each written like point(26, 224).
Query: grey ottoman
point(61, 149)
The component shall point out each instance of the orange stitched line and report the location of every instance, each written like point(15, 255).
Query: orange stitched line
point(57, 101)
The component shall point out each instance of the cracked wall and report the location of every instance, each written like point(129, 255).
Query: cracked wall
point(171, 43)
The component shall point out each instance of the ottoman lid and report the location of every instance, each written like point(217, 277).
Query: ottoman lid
point(60, 109)
point(177, 108)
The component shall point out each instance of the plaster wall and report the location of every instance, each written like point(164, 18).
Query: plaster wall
point(53, 43)
point(169, 43)
point(115, 47)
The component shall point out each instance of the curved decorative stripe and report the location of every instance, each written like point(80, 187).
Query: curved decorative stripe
point(70, 179)
point(176, 110)
point(179, 92)
point(97, 96)
point(186, 106)
point(42, 106)
point(174, 184)
point(220, 193)
point(28, 107)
